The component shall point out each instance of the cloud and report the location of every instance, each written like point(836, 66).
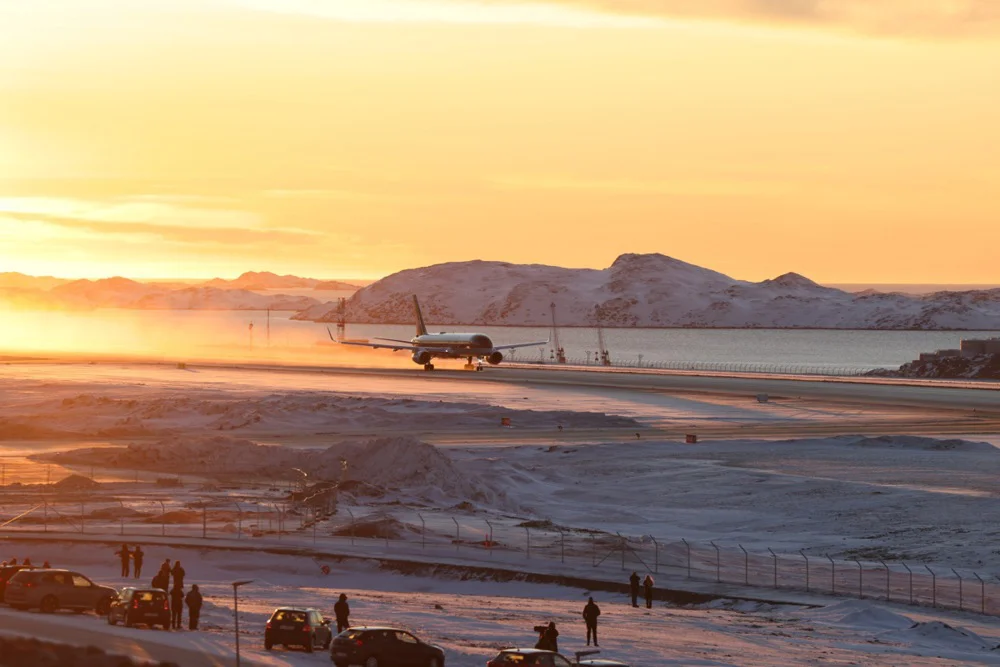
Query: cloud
point(888, 17)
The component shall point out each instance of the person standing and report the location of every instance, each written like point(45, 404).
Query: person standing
point(590, 614)
point(125, 555)
point(193, 601)
point(137, 556)
point(176, 607)
point(342, 611)
point(551, 637)
point(647, 584)
point(178, 573)
point(633, 586)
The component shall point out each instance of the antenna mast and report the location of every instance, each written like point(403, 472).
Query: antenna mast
point(342, 319)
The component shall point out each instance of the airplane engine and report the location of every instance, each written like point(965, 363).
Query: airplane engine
point(495, 358)
point(423, 357)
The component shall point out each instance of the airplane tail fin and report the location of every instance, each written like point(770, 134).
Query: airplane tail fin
point(421, 327)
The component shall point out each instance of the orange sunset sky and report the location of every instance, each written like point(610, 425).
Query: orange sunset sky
point(848, 140)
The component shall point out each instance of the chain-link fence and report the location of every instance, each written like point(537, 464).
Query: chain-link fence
point(713, 366)
point(470, 538)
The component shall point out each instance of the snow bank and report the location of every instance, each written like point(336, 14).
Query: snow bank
point(940, 636)
point(925, 444)
point(862, 615)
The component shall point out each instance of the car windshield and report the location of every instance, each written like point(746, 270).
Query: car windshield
point(287, 616)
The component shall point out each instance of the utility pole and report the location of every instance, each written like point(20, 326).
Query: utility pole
point(559, 353)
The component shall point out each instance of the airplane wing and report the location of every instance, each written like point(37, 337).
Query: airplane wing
point(395, 340)
point(516, 345)
point(374, 346)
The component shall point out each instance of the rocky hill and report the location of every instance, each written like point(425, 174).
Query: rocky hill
point(982, 367)
point(649, 291)
point(125, 293)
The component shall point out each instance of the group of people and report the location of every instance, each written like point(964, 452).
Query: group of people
point(548, 635)
point(167, 572)
point(26, 563)
point(647, 585)
point(131, 560)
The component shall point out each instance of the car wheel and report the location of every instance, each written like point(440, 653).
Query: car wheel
point(326, 644)
point(309, 646)
point(49, 604)
point(111, 620)
point(371, 662)
point(103, 606)
point(433, 662)
point(268, 645)
point(128, 622)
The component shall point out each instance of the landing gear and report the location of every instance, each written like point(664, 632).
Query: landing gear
point(428, 367)
point(468, 365)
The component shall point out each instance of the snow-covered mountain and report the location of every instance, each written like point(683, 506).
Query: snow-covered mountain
point(649, 291)
point(257, 281)
point(125, 293)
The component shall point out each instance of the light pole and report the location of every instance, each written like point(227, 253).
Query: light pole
point(236, 615)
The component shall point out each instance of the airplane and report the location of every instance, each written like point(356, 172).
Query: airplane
point(425, 346)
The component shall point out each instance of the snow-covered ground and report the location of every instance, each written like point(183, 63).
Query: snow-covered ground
point(472, 618)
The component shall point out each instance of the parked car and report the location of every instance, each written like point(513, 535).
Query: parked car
point(295, 626)
point(140, 606)
point(530, 657)
point(51, 590)
point(383, 647)
point(8, 571)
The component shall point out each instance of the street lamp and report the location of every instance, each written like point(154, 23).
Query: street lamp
point(236, 615)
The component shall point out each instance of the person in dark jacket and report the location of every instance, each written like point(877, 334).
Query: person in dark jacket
point(342, 611)
point(647, 584)
point(551, 637)
point(194, 601)
point(125, 555)
point(137, 556)
point(178, 574)
point(590, 614)
point(176, 607)
point(633, 587)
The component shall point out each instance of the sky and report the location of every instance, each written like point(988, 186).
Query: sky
point(847, 140)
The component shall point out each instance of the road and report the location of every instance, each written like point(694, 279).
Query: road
point(948, 395)
point(184, 649)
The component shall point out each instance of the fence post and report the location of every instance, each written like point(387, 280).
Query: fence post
point(163, 517)
point(82, 514)
point(527, 533)
point(353, 521)
point(239, 520)
point(960, 605)
point(933, 586)
point(593, 550)
point(807, 568)
point(982, 593)
point(45, 520)
point(562, 545)
point(204, 521)
point(121, 517)
point(910, 572)
point(656, 555)
point(315, 523)
point(746, 565)
point(833, 575)
point(775, 556)
point(621, 544)
point(688, 556)
point(423, 531)
point(888, 589)
point(718, 563)
point(861, 580)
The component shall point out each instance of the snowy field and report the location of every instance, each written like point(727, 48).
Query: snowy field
point(248, 448)
point(471, 619)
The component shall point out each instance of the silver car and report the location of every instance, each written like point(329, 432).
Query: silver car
point(51, 590)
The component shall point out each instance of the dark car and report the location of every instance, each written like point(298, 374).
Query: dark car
point(8, 571)
point(140, 606)
point(531, 657)
point(51, 590)
point(383, 647)
point(295, 626)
